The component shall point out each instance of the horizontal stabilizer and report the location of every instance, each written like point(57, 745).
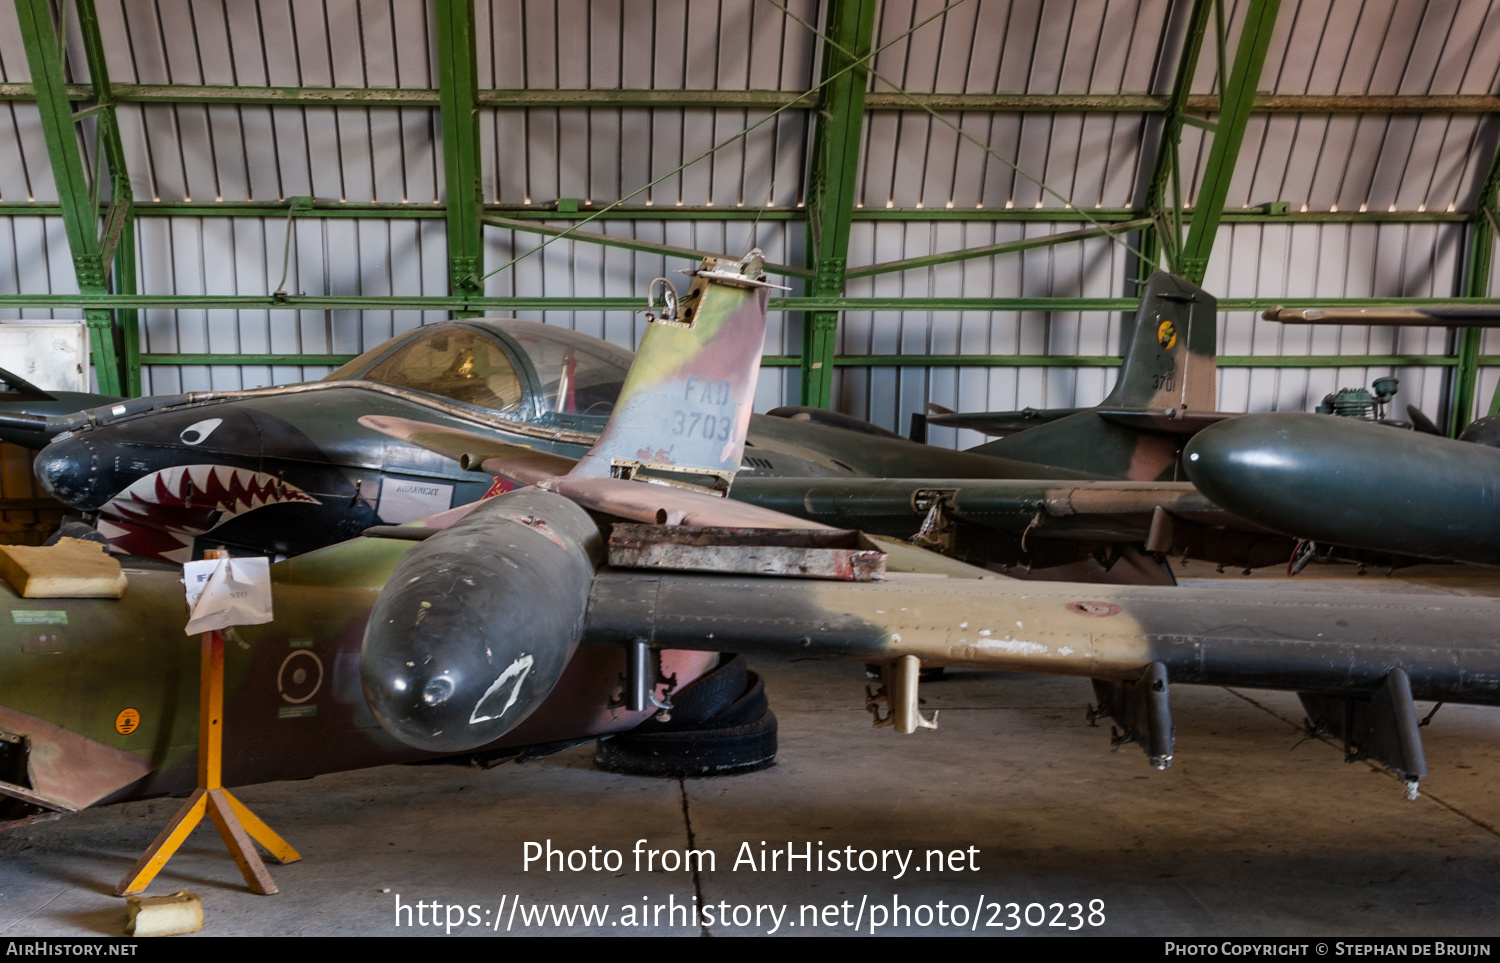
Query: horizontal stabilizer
point(832, 419)
point(1172, 421)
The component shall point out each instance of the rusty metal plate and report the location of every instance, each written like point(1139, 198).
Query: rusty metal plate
point(825, 553)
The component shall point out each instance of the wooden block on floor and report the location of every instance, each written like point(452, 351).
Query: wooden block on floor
point(71, 569)
point(182, 912)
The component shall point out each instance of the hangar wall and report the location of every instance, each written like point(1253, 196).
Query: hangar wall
point(1379, 203)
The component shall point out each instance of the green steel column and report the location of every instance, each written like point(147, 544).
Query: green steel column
point(128, 319)
point(1476, 285)
point(80, 208)
point(1167, 237)
point(1238, 98)
point(831, 182)
point(458, 84)
point(122, 198)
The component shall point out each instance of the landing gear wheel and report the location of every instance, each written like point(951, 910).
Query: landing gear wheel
point(720, 724)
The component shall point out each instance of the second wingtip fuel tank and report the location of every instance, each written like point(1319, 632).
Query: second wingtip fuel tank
point(1354, 483)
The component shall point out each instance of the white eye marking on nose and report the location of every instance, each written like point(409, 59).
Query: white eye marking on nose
point(195, 433)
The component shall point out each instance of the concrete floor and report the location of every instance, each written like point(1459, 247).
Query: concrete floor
point(1251, 832)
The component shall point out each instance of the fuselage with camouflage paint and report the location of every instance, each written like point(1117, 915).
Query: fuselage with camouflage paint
point(293, 703)
point(80, 670)
point(297, 456)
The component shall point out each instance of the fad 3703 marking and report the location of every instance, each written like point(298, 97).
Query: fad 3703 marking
point(710, 425)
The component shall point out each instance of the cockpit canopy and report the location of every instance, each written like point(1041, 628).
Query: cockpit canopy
point(527, 370)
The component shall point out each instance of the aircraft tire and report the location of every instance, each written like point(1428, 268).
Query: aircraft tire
point(719, 724)
point(693, 752)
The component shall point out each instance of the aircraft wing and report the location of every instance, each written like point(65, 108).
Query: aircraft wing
point(1254, 634)
point(1061, 509)
point(475, 452)
point(1163, 517)
point(1357, 663)
point(1078, 510)
point(1166, 421)
point(1166, 517)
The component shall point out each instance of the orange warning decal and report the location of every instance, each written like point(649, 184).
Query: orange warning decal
point(127, 721)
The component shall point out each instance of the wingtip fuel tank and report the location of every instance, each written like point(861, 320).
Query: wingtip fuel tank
point(1347, 482)
point(477, 623)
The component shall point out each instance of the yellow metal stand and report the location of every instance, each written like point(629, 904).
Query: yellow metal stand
point(237, 824)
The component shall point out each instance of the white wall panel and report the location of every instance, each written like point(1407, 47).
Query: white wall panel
point(600, 155)
point(1330, 260)
point(178, 152)
point(1086, 160)
point(34, 259)
point(24, 172)
point(13, 66)
point(1367, 161)
point(354, 43)
point(244, 256)
point(889, 396)
point(1020, 46)
point(730, 45)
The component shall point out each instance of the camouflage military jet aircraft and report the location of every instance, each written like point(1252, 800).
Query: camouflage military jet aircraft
point(501, 624)
point(284, 470)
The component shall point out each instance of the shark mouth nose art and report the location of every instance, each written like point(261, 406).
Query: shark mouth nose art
point(160, 514)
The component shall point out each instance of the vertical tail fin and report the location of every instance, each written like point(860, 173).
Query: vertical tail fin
point(685, 406)
point(1170, 364)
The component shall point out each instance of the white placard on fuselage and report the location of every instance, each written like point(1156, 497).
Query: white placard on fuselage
point(406, 500)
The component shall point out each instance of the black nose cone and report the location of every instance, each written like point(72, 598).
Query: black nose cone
point(68, 470)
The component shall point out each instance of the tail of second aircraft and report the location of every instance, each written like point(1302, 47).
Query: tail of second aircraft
point(1165, 392)
point(686, 403)
point(1170, 363)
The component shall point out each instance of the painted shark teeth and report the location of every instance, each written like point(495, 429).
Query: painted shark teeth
point(186, 501)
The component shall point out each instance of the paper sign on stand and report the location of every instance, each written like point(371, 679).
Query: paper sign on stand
point(221, 592)
point(224, 592)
